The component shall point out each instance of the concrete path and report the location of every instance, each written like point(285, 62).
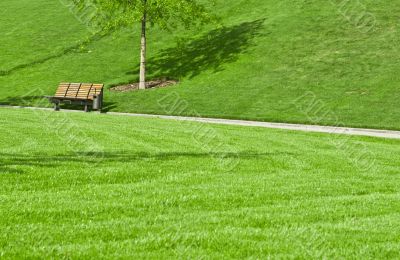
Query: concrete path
point(298, 127)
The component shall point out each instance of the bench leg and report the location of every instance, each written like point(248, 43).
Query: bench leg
point(57, 106)
point(86, 108)
point(97, 109)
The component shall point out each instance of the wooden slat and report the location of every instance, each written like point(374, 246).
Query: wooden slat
point(84, 91)
point(62, 89)
point(77, 86)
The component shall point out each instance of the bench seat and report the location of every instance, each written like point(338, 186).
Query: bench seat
point(86, 94)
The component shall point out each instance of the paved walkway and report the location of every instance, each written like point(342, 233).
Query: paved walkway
point(298, 127)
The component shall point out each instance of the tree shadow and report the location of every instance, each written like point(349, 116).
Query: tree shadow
point(11, 162)
point(73, 48)
point(24, 100)
point(209, 52)
point(8, 170)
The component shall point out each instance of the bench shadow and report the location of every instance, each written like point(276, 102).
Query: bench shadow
point(108, 106)
point(210, 51)
point(40, 101)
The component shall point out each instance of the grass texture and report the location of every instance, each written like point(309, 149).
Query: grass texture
point(76, 185)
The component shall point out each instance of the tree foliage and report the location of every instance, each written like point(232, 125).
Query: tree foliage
point(167, 14)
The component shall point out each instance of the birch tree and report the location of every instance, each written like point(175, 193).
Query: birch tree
point(167, 14)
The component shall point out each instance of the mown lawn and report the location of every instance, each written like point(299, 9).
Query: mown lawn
point(268, 54)
point(76, 185)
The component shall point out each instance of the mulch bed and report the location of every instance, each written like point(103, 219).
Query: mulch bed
point(158, 83)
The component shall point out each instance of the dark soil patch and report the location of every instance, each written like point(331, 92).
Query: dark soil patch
point(158, 83)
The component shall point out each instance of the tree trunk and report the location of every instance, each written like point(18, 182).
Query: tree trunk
point(142, 81)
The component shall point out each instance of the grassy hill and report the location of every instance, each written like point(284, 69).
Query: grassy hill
point(292, 61)
point(143, 188)
point(75, 185)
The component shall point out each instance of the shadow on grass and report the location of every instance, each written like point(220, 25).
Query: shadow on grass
point(107, 106)
point(24, 101)
point(8, 170)
point(40, 101)
point(10, 162)
point(209, 52)
point(61, 53)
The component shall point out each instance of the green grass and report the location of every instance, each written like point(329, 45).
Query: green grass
point(267, 56)
point(76, 185)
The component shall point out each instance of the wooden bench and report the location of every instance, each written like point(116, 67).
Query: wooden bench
point(85, 94)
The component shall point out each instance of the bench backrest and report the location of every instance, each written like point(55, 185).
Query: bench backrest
point(79, 90)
